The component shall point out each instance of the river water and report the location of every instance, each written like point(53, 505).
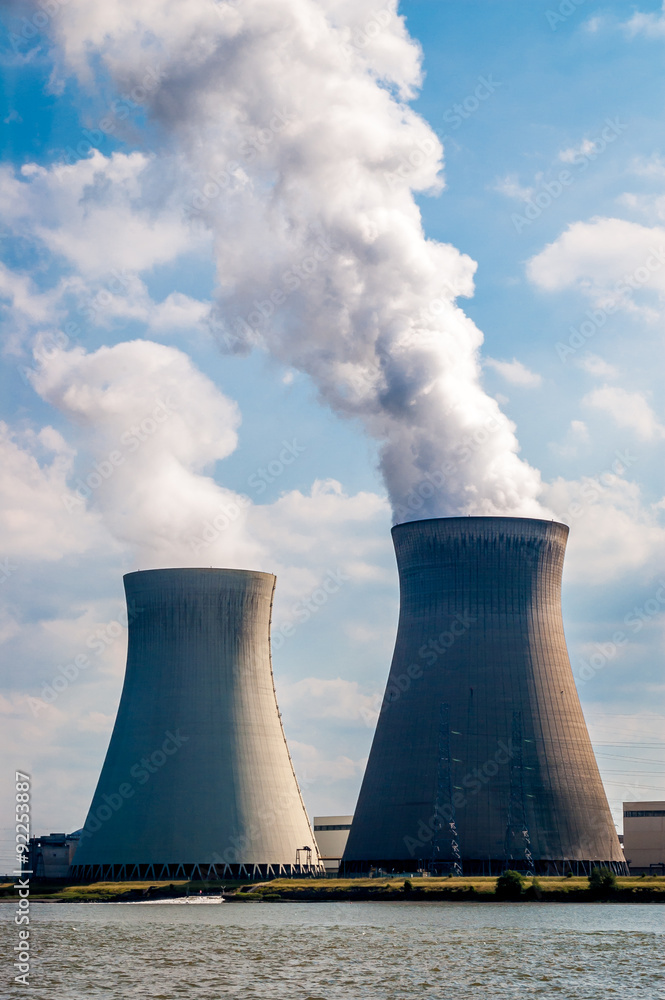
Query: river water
point(340, 951)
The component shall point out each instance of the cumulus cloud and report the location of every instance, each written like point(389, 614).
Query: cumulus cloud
point(605, 259)
point(149, 429)
point(153, 427)
point(312, 766)
point(318, 698)
point(576, 436)
point(34, 495)
point(292, 117)
point(651, 24)
point(100, 213)
point(627, 409)
point(612, 530)
point(516, 373)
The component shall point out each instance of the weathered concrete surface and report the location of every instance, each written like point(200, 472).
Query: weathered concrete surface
point(481, 743)
point(197, 771)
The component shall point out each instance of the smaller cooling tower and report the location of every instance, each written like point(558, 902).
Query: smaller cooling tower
point(197, 781)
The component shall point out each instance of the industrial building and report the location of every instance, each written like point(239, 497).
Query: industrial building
point(332, 833)
point(481, 758)
point(197, 781)
point(644, 837)
point(50, 857)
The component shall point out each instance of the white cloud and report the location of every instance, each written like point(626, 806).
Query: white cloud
point(34, 494)
point(511, 188)
point(612, 531)
point(577, 435)
point(627, 409)
point(571, 154)
point(594, 365)
point(178, 312)
point(150, 429)
point(311, 766)
point(652, 166)
point(650, 24)
point(102, 213)
point(154, 427)
point(605, 258)
point(516, 373)
point(319, 698)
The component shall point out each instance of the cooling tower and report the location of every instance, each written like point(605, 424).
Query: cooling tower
point(481, 759)
point(197, 781)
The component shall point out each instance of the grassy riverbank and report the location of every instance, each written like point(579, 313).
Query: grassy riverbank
point(648, 890)
point(479, 889)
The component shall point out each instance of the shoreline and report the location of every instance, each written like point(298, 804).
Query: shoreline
point(547, 889)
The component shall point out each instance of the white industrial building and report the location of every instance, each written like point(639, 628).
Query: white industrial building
point(331, 834)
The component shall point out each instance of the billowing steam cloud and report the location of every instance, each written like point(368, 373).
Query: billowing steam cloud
point(290, 117)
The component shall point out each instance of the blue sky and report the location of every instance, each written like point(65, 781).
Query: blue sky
point(554, 186)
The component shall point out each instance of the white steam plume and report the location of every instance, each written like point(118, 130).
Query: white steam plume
point(291, 117)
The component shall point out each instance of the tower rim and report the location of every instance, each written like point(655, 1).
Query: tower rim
point(478, 518)
point(210, 570)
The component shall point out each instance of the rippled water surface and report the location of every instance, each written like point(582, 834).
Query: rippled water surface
point(343, 951)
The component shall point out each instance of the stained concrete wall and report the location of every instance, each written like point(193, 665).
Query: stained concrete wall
point(197, 770)
point(481, 735)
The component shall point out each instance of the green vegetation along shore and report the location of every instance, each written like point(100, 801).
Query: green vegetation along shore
point(649, 889)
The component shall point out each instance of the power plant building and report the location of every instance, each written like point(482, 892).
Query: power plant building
point(481, 758)
point(644, 837)
point(50, 856)
point(332, 833)
point(197, 781)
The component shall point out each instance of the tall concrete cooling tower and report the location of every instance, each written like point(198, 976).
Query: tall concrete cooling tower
point(481, 759)
point(197, 781)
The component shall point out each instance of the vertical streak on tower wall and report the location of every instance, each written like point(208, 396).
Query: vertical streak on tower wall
point(197, 780)
point(480, 630)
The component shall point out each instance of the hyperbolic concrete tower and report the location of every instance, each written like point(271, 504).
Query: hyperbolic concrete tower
point(197, 781)
point(481, 759)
